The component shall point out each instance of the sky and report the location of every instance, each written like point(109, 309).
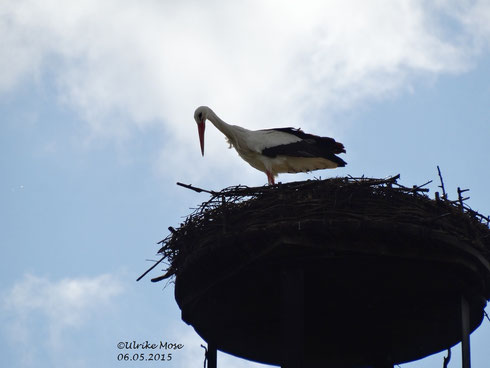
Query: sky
point(96, 104)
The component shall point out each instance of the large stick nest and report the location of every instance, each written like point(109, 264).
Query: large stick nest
point(364, 208)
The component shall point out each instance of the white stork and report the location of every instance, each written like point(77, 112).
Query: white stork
point(274, 151)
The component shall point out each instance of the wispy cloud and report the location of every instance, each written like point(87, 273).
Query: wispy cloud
point(42, 312)
point(123, 65)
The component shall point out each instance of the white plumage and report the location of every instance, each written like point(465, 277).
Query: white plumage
point(274, 151)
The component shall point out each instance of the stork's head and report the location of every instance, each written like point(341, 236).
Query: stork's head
point(200, 116)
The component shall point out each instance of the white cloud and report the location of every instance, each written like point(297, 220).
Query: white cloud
point(124, 64)
point(43, 312)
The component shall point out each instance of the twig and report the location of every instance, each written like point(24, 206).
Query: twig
point(423, 185)
point(196, 189)
point(486, 315)
point(414, 189)
point(460, 197)
point(160, 278)
point(151, 268)
point(373, 181)
point(444, 195)
point(476, 214)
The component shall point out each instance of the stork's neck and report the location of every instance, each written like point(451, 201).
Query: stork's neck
point(223, 127)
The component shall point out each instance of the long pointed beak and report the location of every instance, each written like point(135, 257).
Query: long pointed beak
point(201, 127)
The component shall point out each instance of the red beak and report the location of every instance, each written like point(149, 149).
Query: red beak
point(200, 128)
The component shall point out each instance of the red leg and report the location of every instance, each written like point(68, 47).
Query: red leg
point(270, 178)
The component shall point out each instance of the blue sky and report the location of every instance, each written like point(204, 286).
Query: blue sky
point(97, 102)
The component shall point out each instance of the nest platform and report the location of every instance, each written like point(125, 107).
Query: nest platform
point(376, 270)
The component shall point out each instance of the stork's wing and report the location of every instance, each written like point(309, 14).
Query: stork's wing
point(258, 140)
point(308, 145)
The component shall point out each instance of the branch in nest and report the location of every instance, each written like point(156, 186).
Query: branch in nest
point(196, 189)
point(444, 194)
point(151, 268)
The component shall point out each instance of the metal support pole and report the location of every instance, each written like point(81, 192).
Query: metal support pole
point(292, 317)
point(212, 355)
point(465, 332)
